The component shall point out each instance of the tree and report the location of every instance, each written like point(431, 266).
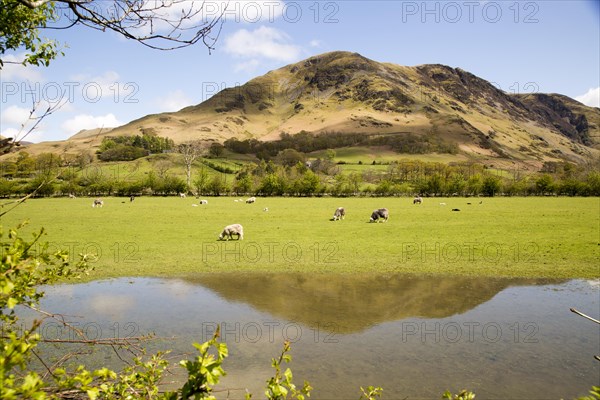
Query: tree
point(243, 185)
point(8, 168)
point(216, 149)
point(290, 157)
point(159, 24)
point(201, 181)
point(272, 185)
point(544, 184)
point(190, 152)
point(20, 28)
point(593, 180)
point(218, 185)
point(330, 154)
point(309, 184)
point(122, 152)
point(162, 167)
point(491, 185)
point(435, 184)
point(25, 164)
point(83, 159)
point(474, 184)
point(355, 179)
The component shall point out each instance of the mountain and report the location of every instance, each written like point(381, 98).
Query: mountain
point(346, 92)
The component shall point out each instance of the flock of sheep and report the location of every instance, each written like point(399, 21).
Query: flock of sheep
point(380, 214)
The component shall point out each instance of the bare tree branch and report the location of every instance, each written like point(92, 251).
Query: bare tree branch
point(33, 4)
point(31, 124)
point(584, 315)
point(158, 24)
point(190, 151)
point(573, 310)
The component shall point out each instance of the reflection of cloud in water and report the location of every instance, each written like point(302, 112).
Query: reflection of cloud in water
point(594, 282)
point(371, 315)
point(59, 290)
point(114, 306)
point(175, 289)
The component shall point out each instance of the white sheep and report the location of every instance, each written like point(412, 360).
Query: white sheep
point(203, 202)
point(339, 213)
point(98, 203)
point(380, 213)
point(230, 230)
point(251, 200)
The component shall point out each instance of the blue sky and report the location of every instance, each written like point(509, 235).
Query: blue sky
point(520, 46)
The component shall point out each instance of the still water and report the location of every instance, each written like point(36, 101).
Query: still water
point(413, 336)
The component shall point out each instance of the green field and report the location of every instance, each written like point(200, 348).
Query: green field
point(156, 236)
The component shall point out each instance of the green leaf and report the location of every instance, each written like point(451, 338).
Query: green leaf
point(12, 302)
point(93, 393)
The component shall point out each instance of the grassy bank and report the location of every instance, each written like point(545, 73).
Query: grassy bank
point(511, 237)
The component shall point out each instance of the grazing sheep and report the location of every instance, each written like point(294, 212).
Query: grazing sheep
point(203, 202)
point(251, 200)
point(380, 213)
point(98, 203)
point(456, 209)
point(194, 205)
point(230, 230)
point(417, 200)
point(182, 195)
point(131, 198)
point(71, 196)
point(339, 213)
point(442, 204)
point(266, 209)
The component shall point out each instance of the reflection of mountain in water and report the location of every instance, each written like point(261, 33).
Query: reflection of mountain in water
point(351, 303)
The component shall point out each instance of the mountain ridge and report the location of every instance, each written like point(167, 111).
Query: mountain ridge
point(349, 93)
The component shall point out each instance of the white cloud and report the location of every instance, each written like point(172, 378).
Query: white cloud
point(262, 42)
point(33, 136)
point(315, 43)
point(19, 71)
point(247, 66)
point(250, 11)
point(107, 85)
point(108, 78)
point(591, 98)
point(86, 121)
point(174, 101)
point(114, 306)
point(9, 133)
point(189, 16)
point(14, 115)
point(19, 123)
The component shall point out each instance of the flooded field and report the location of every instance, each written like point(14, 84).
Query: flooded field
point(413, 336)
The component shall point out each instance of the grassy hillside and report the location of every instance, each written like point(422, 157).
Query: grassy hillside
point(346, 92)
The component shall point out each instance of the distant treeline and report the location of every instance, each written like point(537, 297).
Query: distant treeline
point(127, 148)
point(306, 142)
point(289, 174)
